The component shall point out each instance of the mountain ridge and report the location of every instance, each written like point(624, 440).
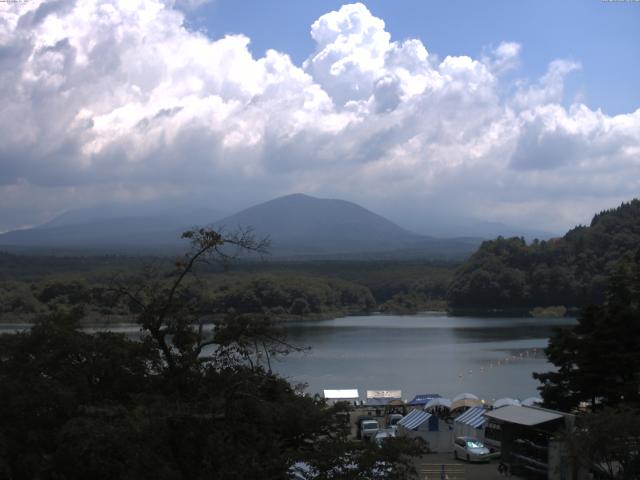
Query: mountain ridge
point(298, 225)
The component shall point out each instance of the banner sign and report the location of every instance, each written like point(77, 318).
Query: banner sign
point(384, 393)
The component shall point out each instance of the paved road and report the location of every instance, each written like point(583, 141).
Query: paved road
point(457, 469)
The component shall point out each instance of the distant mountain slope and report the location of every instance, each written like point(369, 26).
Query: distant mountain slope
point(298, 225)
point(496, 229)
point(151, 213)
point(118, 232)
point(108, 226)
point(471, 227)
point(569, 271)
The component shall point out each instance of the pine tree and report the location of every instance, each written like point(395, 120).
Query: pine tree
point(598, 359)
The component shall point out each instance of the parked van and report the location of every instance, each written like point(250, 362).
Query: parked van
point(367, 428)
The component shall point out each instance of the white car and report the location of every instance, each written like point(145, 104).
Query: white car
point(470, 449)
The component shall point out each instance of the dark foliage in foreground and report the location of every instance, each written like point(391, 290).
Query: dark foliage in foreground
point(598, 360)
point(180, 404)
point(607, 443)
point(598, 368)
point(569, 271)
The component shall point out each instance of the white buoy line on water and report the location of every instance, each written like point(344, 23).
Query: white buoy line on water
point(509, 359)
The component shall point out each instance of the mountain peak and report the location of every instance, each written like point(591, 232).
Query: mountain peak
point(302, 198)
point(296, 196)
point(318, 225)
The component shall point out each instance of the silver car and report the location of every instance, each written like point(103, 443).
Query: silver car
point(470, 449)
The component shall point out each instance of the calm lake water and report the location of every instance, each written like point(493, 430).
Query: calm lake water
point(425, 353)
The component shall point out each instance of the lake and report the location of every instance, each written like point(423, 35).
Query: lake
point(424, 353)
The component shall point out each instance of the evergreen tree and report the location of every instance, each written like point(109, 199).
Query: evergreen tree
point(598, 360)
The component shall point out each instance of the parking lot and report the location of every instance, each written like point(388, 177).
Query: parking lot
point(430, 465)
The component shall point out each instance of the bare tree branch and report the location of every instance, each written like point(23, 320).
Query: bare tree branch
point(169, 311)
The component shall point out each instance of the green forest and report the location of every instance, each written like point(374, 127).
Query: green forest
point(279, 297)
point(31, 286)
point(509, 274)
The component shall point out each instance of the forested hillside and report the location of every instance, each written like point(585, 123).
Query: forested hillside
point(277, 296)
point(569, 271)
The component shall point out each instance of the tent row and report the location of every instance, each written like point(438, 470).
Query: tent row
point(428, 401)
point(438, 431)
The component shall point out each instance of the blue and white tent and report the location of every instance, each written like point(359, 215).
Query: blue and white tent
point(418, 424)
point(474, 417)
point(414, 419)
point(470, 423)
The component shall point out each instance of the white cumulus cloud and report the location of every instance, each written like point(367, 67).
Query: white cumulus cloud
point(106, 100)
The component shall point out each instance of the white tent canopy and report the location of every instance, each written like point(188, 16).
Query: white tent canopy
point(465, 400)
point(531, 401)
point(438, 402)
point(464, 396)
point(501, 402)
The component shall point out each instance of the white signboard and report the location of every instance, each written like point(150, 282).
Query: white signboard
point(384, 393)
point(341, 394)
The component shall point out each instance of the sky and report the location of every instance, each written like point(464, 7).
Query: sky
point(428, 112)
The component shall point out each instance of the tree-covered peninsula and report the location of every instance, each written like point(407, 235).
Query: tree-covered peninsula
point(507, 274)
